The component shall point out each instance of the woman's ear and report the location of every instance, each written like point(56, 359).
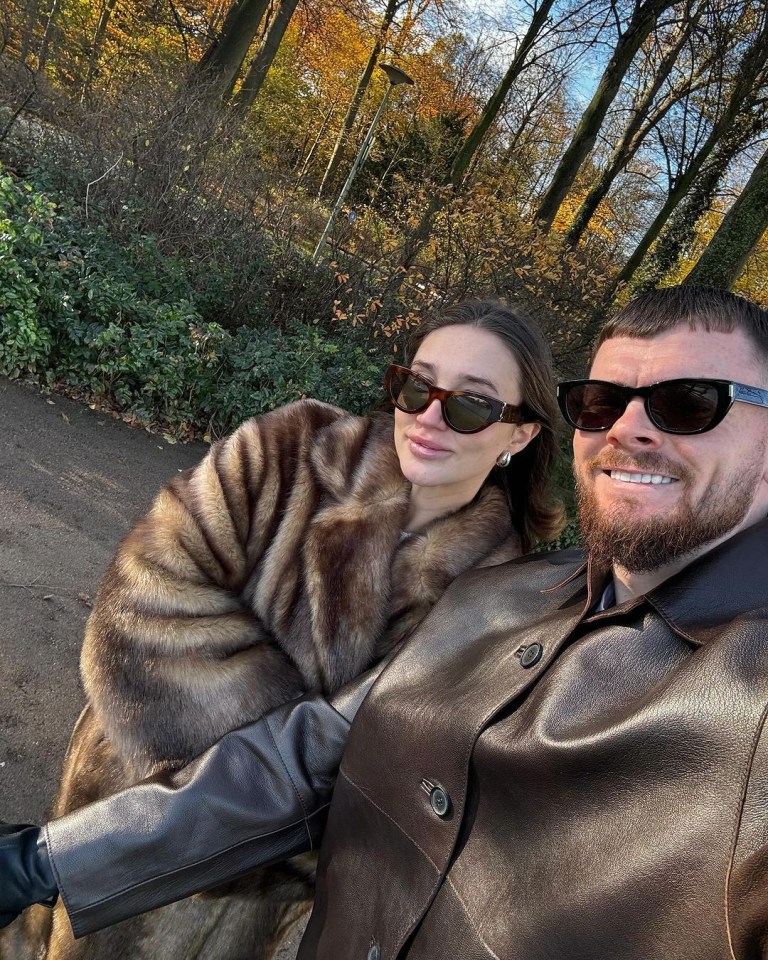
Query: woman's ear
point(524, 433)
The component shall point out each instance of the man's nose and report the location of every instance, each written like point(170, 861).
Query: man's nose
point(633, 429)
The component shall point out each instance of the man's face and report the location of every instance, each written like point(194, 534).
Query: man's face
point(719, 479)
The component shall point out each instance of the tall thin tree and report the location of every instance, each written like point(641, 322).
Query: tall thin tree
point(468, 150)
point(750, 77)
point(641, 120)
point(96, 44)
point(644, 18)
point(264, 57)
point(363, 83)
point(217, 69)
point(726, 255)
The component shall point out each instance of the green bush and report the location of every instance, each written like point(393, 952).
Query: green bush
point(122, 323)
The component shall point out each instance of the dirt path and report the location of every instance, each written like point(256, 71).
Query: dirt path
point(71, 482)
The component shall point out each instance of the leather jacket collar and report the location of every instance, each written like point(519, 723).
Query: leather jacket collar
point(727, 582)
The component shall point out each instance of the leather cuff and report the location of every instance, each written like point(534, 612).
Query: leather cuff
point(27, 873)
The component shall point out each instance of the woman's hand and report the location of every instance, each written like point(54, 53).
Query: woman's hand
point(26, 876)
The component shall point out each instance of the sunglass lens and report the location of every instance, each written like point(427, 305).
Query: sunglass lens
point(685, 406)
point(409, 393)
point(465, 414)
point(594, 406)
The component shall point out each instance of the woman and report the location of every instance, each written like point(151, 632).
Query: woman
point(301, 551)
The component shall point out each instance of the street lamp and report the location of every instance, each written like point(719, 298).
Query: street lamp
point(395, 76)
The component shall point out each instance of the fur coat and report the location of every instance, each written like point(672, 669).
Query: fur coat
point(276, 566)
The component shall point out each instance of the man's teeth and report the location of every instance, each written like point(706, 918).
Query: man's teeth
point(639, 477)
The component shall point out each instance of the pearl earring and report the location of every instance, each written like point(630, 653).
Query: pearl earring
point(504, 459)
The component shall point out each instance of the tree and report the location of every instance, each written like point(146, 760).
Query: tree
point(642, 22)
point(96, 44)
point(727, 253)
point(357, 97)
point(454, 179)
point(642, 118)
point(48, 34)
point(261, 63)
point(680, 230)
point(217, 69)
point(746, 95)
point(423, 151)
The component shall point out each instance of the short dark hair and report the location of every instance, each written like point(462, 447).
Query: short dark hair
point(700, 308)
point(536, 513)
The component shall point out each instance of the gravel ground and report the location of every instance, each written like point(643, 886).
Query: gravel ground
point(71, 482)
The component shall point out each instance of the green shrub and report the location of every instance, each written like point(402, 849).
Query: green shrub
point(121, 323)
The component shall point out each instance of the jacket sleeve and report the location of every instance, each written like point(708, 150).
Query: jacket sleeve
point(259, 795)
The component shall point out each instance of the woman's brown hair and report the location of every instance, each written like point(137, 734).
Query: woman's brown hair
point(536, 513)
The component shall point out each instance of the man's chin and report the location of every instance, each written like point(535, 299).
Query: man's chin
point(635, 539)
point(644, 546)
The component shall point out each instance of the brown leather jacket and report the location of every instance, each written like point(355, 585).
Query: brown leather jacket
point(589, 788)
point(607, 800)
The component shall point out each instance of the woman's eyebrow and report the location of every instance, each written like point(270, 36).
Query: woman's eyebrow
point(466, 378)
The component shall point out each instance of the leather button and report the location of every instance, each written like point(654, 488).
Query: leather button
point(374, 953)
point(440, 801)
point(531, 655)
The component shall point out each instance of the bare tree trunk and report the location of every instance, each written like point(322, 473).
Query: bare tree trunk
point(316, 142)
point(50, 27)
point(726, 255)
point(217, 69)
point(751, 73)
point(583, 140)
point(416, 239)
point(680, 229)
point(633, 134)
point(491, 110)
point(264, 57)
point(32, 14)
point(98, 40)
point(357, 96)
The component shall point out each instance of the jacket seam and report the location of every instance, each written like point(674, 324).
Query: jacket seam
point(293, 783)
point(370, 800)
point(403, 930)
point(171, 873)
point(746, 776)
point(469, 918)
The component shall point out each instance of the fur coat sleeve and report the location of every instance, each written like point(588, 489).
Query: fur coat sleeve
point(273, 567)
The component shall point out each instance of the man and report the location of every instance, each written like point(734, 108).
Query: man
point(568, 760)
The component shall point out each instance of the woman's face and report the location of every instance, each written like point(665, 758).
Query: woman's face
point(439, 462)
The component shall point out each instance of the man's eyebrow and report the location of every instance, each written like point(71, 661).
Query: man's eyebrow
point(467, 378)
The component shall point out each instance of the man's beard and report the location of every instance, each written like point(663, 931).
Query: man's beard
point(613, 536)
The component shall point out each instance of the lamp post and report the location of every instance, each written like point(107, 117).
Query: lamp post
point(395, 76)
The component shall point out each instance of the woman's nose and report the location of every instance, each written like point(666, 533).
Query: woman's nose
point(432, 416)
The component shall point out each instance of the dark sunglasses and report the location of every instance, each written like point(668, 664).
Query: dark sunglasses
point(683, 406)
point(463, 411)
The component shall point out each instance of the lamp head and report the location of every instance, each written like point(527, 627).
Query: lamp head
point(395, 75)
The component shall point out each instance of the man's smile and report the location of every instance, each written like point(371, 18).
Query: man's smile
point(627, 476)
